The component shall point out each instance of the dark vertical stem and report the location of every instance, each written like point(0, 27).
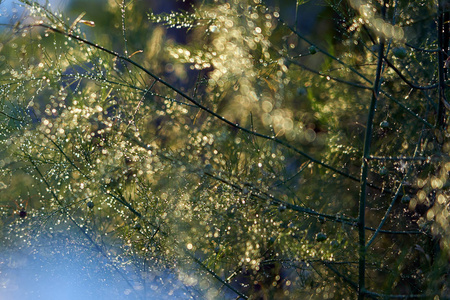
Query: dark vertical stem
point(443, 40)
point(365, 168)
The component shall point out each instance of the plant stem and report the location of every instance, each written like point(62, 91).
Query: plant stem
point(443, 38)
point(365, 170)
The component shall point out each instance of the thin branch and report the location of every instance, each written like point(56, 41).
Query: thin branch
point(388, 210)
point(128, 205)
point(65, 155)
point(340, 275)
point(215, 275)
point(405, 80)
point(131, 86)
point(275, 201)
point(443, 39)
point(10, 117)
point(89, 238)
point(365, 168)
point(256, 194)
point(407, 158)
point(364, 77)
point(421, 49)
point(406, 296)
point(324, 52)
point(329, 77)
point(198, 104)
point(408, 110)
point(302, 168)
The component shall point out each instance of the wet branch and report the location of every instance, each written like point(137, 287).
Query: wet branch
point(365, 170)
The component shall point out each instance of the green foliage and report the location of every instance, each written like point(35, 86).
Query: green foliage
point(237, 160)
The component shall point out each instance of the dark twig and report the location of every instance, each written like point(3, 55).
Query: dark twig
point(264, 196)
point(78, 226)
point(406, 80)
point(329, 77)
point(365, 169)
point(443, 39)
point(201, 106)
point(421, 49)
